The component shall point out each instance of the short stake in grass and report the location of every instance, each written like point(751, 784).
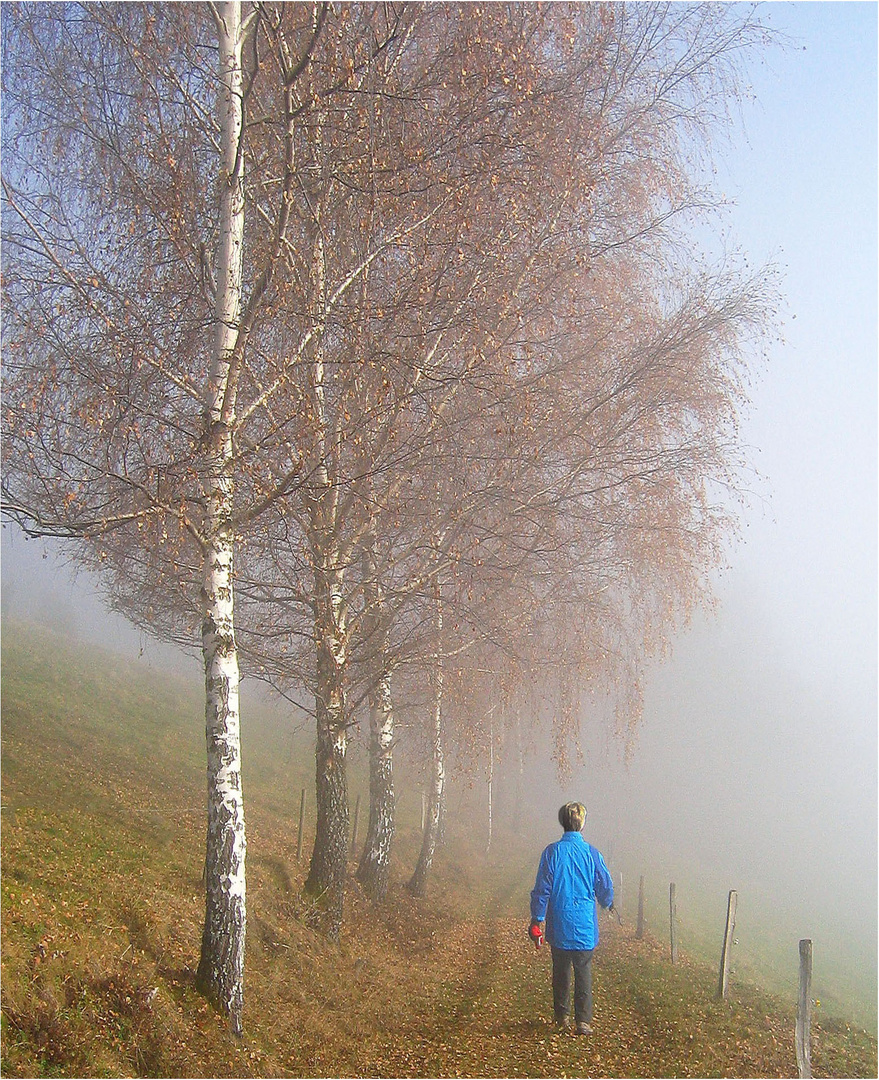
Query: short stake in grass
point(723, 983)
point(804, 1011)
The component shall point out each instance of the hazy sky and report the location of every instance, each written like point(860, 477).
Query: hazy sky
point(758, 749)
point(806, 191)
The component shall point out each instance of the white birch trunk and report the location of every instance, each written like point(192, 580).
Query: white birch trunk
point(329, 857)
point(221, 968)
point(418, 882)
point(490, 777)
point(374, 869)
point(520, 771)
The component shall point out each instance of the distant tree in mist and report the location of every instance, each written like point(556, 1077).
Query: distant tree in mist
point(397, 304)
point(467, 361)
point(589, 478)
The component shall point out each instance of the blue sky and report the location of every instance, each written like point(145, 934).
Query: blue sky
point(758, 749)
point(805, 188)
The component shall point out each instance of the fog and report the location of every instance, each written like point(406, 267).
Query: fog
point(39, 583)
point(756, 763)
point(755, 767)
point(755, 773)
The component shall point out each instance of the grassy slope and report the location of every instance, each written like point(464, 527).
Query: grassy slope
point(102, 839)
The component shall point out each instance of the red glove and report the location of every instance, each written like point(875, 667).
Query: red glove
point(536, 935)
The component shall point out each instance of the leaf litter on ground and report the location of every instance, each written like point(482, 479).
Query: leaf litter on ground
point(102, 906)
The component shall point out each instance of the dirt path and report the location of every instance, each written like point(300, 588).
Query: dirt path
point(489, 1014)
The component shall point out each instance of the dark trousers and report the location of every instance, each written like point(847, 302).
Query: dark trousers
point(564, 963)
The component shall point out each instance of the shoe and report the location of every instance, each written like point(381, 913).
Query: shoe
point(563, 1022)
point(584, 1029)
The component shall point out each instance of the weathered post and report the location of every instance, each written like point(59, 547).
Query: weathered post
point(301, 824)
point(639, 932)
point(490, 777)
point(723, 984)
point(672, 920)
point(356, 822)
point(804, 1011)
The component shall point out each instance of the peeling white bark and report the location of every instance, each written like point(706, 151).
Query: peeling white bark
point(490, 777)
point(329, 858)
point(374, 869)
point(418, 882)
point(221, 969)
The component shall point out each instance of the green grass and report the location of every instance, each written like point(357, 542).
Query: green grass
point(766, 951)
point(102, 847)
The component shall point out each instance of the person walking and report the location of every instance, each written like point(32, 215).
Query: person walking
point(572, 879)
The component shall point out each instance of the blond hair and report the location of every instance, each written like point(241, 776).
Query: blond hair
point(572, 816)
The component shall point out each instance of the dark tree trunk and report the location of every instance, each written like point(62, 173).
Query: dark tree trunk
point(329, 857)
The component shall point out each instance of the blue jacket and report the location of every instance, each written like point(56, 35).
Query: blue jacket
point(572, 875)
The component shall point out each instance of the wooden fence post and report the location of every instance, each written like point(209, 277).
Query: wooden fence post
point(723, 984)
point(804, 1011)
point(356, 821)
point(672, 920)
point(639, 931)
point(301, 823)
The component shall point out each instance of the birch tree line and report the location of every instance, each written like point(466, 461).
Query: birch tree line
point(369, 347)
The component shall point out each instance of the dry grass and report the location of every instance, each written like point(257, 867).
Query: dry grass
point(102, 840)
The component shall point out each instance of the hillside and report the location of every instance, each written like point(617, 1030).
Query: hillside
point(102, 834)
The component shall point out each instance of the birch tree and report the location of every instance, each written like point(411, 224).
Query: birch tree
point(450, 353)
point(417, 884)
point(221, 969)
point(373, 868)
point(132, 295)
point(502, 186)
point(423, 184)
